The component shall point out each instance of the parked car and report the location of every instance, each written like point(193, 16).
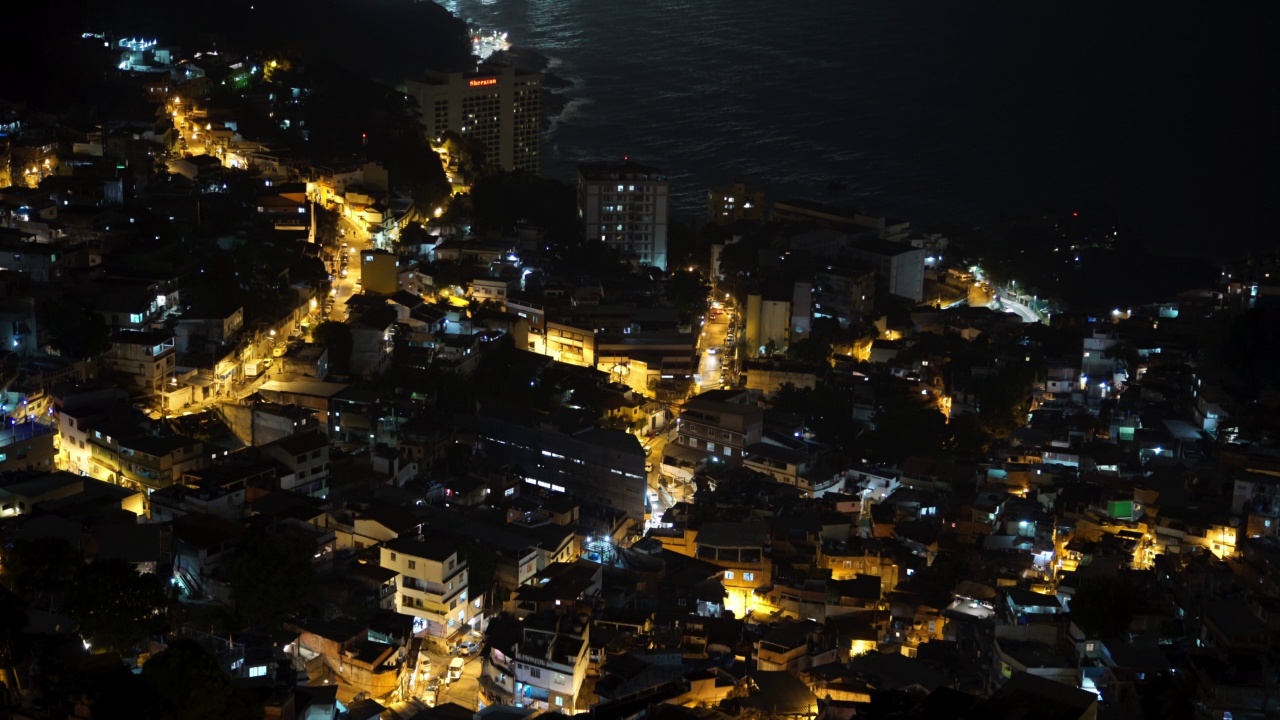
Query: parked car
point(468, 648)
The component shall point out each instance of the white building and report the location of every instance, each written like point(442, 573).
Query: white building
point(625, 206)
point(544, 670)
point(898, 265)
point(431, 585)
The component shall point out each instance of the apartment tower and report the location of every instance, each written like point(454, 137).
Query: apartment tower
point(624, 205)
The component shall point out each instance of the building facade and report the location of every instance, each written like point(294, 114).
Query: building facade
point(431, 585)
point(499, 106)
point(625, 207)
point(734, 203)
point(596, 465)
point(719, 429)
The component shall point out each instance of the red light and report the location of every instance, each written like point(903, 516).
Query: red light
point(1075, 214)
point(364, 136)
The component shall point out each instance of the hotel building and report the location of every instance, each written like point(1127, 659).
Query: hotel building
point(497, 105)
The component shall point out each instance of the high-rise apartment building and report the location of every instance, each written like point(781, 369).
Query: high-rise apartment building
point(497, 105)
point(624, 206)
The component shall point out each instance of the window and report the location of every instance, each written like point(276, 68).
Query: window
point(258, 671)
point(1088, 647)
point(728, 574)
point(535, 672)
point(413, 564)
point(393, 557)
point(749, 577)
point(559, 701)
point(711, 447)
point(561, 679)
point(728, 451)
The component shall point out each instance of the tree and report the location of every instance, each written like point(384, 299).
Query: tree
point(1104, 606)
point(687, 291)
point(190, 686)
point(39, 565)
point(77, 331)
point(336, 337)
point(114, 604)
point(271, 577)
point(503, 200)
point(810, 350)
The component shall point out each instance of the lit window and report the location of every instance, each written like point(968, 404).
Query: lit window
point(728, 574)
point(749, 577)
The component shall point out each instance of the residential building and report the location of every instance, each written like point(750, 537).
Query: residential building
point(741, 550)
point(432, 584)
point(720, 426)
point(625, 207)
point(899, 266)
point(540, 664)
point(496, 105)
point(44, 262)
point(142, 360)
point(595, 465)
point(844, 292)
point(379, 272)
point(734, 203)
point(306, 455)
point(776, 317)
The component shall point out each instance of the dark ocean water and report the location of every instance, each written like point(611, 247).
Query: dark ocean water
point(930, 109)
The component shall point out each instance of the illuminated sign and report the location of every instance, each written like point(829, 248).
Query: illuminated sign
point(481, 82)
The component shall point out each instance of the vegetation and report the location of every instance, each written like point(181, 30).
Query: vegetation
point(115, 605)
point(38, 566)
point(187, 684)
point(77, 331)
point(1104, 606)
point(271, 577)
point(502, 201)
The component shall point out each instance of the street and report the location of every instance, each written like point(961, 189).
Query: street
point(1011, 306)
point(711, 342)
point(345, 287)
point(464, 691)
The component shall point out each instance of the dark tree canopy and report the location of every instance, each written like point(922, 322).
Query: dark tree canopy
point(503, 200)
point(76, 330)
point(1104, 606)
point(272, 577)
point(38, 565)
point(114, 604)
point(189, 685)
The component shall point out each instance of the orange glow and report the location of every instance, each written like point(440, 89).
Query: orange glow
point(481, 82)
